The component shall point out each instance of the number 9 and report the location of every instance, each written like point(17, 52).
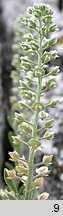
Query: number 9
point(56, 208)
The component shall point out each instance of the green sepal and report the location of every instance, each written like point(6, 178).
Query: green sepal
point(25, 65)
point(28, 37)
point(51, 83)
point(52, 27)
point(16, 140)
point(24, 127)
point(19, 117)
point(32, 24)
point(47, 159)
point(52, 103)
point(34, 143)
point(28, 94)
point(49, 123)
point(47, 19)
point(21, 169)
point(54, 70)
point(47, 43)
point(38, 106)
point(14, 156)
point(44, 115)
point(39, 71)
point(48, 56)
point(48, 135)
point(23, 85)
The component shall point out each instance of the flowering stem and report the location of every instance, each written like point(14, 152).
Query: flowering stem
point(28, 195)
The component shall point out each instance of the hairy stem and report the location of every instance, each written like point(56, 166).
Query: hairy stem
point(28, 195)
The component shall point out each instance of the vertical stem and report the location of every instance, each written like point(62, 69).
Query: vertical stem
point(34, 132)
point(30, 175)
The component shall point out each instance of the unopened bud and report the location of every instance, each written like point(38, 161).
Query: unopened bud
point(47, 159)
point(21, 169)
point(42, 170)
point(14, 156)
point(43, 196)
point(38, 182)
point(11, 173)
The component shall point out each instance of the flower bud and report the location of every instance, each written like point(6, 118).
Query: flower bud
point(44, 115)
point(14, 155)
point(11, 173)
point(16, 140)
point(24, 179)
point(42, 170)
point(49, 123)
point(48, 135)
point(34, 143)
point(47, 159)
point(21, 169)
point(19, 117)
point(53, 103)
point(38, 182)
point(43, 196)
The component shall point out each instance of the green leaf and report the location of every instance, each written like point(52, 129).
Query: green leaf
point(10, 134)
point(11, 185)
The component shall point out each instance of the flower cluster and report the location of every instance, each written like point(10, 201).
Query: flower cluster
point(34, 65)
